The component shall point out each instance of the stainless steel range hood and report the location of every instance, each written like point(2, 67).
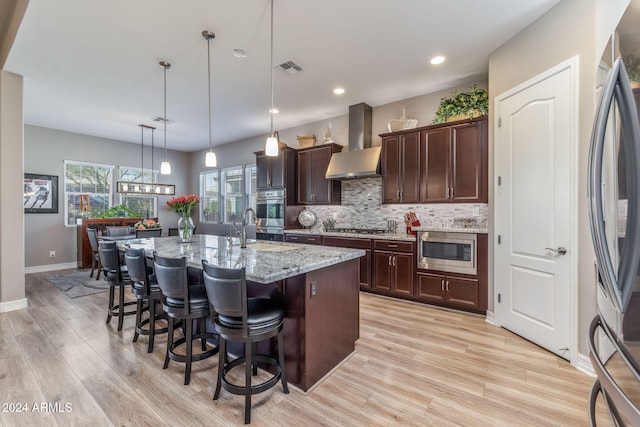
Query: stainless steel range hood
point(362, 160)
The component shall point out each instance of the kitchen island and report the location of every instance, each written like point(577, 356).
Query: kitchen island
point(319, 286)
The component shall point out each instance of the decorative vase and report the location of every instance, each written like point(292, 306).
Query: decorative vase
point(185, 228)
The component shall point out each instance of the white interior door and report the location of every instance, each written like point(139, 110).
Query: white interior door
point(534, 202)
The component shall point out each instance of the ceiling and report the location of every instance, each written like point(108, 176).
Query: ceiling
point(92, 66)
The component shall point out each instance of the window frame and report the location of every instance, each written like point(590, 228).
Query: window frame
point(151, 175)
point(109, 194)
point(248, 171)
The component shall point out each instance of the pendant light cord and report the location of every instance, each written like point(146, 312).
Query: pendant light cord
point(164, 118)
point(209, 84)
point(153, 175)
point(141, 153)
point(271, 69)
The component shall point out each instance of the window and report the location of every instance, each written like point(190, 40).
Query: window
point(233, 189)
point(87, 190)
point(144, 205)
point(209, 196)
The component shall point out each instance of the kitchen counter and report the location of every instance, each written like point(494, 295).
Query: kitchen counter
point(265, 262)
point(379, 236)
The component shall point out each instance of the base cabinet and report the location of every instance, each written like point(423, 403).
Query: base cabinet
point(365, 261)
point(393, 267)
point(308, 239)
point(449, 289)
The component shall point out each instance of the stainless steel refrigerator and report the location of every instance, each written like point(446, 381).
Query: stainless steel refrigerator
point(614, 213)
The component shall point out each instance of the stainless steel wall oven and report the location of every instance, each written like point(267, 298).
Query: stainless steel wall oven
point(270, 212)
point(449, 252)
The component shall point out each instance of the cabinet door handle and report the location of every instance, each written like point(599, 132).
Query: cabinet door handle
point(452, 192)
point(447, 286)
point(392, 246)
point(401, 194)
point(390, 261)
point(312, 239)
point(442, 285)
point(398, 194)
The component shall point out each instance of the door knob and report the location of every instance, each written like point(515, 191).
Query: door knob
point(560, 251)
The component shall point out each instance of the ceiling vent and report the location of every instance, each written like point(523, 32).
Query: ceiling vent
point(160, 120)
point(290, 67)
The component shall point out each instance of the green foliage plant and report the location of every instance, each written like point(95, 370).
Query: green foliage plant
point(120, 211)
point(463, 103)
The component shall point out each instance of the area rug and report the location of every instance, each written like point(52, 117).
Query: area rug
point(78, 283)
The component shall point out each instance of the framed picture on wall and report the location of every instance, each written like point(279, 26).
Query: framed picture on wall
point(40, 193)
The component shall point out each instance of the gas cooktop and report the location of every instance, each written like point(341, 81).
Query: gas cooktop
point(358, 230)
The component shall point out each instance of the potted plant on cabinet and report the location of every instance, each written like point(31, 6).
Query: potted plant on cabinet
point(463, 105)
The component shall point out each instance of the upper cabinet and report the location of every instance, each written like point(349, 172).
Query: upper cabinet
point(400, 166)
point(454, 163)
point(313, 187)
point(445, 163)
point(277, 172)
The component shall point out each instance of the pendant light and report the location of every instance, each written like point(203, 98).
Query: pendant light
point(210, 159)
point(142, 187)
point(271, 147)
point(165, 166)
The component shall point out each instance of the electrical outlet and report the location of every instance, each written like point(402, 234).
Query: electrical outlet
point(52, 254)
point(314, 289)
point(475, 211)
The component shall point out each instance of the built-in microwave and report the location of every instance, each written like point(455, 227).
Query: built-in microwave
point(448, 252)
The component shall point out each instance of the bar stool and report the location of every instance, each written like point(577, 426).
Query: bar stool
point(146, 289)
point(243, 320)
point(117, 276)
point(184, 302)
point(95, 257)
point(148, 232)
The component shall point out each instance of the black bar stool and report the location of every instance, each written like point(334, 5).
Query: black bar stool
point(243, 320)
point(117, 276)
point(147, 291)
point(184, 302)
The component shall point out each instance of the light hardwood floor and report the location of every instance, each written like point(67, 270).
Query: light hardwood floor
point(413, 366)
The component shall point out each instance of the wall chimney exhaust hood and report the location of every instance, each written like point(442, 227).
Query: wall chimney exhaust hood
point(362, 160)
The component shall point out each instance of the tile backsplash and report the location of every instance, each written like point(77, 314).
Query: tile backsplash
point(362, 208)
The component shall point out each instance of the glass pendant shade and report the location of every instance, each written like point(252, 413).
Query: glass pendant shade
point(210, 160)
point(165, 168)
point(271, 147)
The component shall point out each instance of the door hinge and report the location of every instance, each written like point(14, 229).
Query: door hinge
point(499, 122)
point(499, 298)
point(499, 180)
point(499, 239)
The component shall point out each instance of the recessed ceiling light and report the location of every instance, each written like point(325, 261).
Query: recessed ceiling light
point(338, 91)
point(437, 60)
point(274, 111)
point(239, 53)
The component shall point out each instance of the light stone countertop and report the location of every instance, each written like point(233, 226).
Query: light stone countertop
point(451, 229)
point(265, 262)
point(380, 236)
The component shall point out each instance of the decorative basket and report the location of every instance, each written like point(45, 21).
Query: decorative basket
point(402, 123)
point(306, 141)
point(468, 115)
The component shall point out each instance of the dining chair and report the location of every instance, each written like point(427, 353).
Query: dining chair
point(185, 302)
point(243, 320)
point(117, 230)
point(173, 232)
point(95, 256)
point(148, 232)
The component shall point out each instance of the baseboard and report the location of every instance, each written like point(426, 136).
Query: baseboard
point(13, 305)
point(583, 364)
point(50, 267)
point(491, 318)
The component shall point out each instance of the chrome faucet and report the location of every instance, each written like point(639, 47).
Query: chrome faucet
point(242, 232)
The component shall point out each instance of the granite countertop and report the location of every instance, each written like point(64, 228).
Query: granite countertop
point(265, 262)
point(380, 236)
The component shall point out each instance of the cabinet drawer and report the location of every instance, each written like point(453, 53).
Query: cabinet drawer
point(345, 242)
point(309, 239)
point(393, 245)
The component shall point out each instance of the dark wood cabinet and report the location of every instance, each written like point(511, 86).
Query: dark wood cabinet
point(400, 167)
point(452, 290)
point(454, 163)
point(277, 172)
point(393, 267)
point(83, 250)
point(365, 261)
point(309, 239)
point(313, 187)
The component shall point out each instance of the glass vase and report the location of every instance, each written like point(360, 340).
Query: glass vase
point(185, 228)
